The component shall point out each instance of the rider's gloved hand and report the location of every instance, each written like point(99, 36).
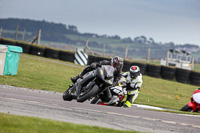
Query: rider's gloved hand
point(98, 65)
point(93, 65)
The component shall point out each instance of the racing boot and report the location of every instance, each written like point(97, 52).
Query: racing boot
point(74, 79)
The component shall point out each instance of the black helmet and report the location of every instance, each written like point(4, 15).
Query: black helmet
point(117, 62)
point(134, 71)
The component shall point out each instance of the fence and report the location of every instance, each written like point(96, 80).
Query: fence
point(157, 71)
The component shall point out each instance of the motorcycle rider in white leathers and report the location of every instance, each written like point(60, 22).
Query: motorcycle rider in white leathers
point(134, 81)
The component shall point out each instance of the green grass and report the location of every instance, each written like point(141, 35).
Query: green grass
point(21, 124)
point(44, 75)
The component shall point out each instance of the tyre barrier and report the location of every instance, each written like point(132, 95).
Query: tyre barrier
point(91, 59)
point(194, 78)
point(127, 65)
point(37, 50)
point(182, 75)
point(153, 70)
point(142, 67)
point(51, 53)
point(26, 47)
point(66, 56)
point(168, 72)
point(165, 72)
point(8, 42)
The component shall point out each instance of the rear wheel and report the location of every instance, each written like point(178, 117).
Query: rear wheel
point(95, 100)
point(187, 108)
point(87, 94)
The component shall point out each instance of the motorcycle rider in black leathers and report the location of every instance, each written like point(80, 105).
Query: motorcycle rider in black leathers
point(116, 62)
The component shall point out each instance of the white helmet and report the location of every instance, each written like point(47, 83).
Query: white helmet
point(134, 71)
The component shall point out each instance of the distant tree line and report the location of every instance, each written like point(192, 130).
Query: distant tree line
point(56, 32)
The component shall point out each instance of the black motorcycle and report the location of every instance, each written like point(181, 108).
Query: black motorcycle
point(91, 84)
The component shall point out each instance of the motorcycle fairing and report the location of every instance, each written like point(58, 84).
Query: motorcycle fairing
point(192, 105)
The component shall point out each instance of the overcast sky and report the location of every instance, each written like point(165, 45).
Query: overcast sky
point(175, 21)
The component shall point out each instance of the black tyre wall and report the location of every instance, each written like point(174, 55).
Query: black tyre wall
point(168, 72)
point(26, 47)
point(51, 53)
point(142, 67)
point(8, 42)
point(91, 59)
point(153, 70)
point(126, 66)
point(67, 56)
point(194, 78)
point(182, 75)
point(36, 50)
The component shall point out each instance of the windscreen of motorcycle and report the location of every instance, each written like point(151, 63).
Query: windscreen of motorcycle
point(196, 96)
point(108, 71)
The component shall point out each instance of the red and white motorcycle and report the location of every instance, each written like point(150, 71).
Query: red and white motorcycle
point(194, 105)
point(119, 96)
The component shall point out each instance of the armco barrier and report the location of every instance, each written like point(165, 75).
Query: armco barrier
point(51, 53)
point(66, 56)
point(153, 70)
point(194, 78)
point(37, 50)
point(168, 72)
point(182, 75)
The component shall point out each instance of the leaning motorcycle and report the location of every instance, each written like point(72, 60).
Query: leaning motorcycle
point(119, 96)
point(91, 84)
point(194, 105)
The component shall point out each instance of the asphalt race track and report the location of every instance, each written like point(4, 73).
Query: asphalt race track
point(46, 104)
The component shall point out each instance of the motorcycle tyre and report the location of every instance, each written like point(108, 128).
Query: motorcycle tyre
point(187, 108)
point(67, 96)
point(89, 94)
point(95, 100)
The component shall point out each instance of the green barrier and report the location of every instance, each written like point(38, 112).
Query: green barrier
point(12, 60)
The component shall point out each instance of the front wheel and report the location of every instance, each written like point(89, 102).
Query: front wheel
point(67, 96)
point(88, 94)
point(187, 108)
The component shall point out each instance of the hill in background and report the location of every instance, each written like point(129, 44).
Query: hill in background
point(61, 36)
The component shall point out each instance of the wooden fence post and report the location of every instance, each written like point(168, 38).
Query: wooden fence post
point(192, 63)
point(104, 50)
point(148, 58)
point(1, 31)
point(87, 48)
point(16, 32)
point(126, 52)
point(38, 37)
point(167, 59)
point(23, 34)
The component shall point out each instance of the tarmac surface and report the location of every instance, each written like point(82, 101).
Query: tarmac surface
point(50, 105)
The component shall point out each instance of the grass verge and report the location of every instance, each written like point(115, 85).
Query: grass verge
point(22, 124)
